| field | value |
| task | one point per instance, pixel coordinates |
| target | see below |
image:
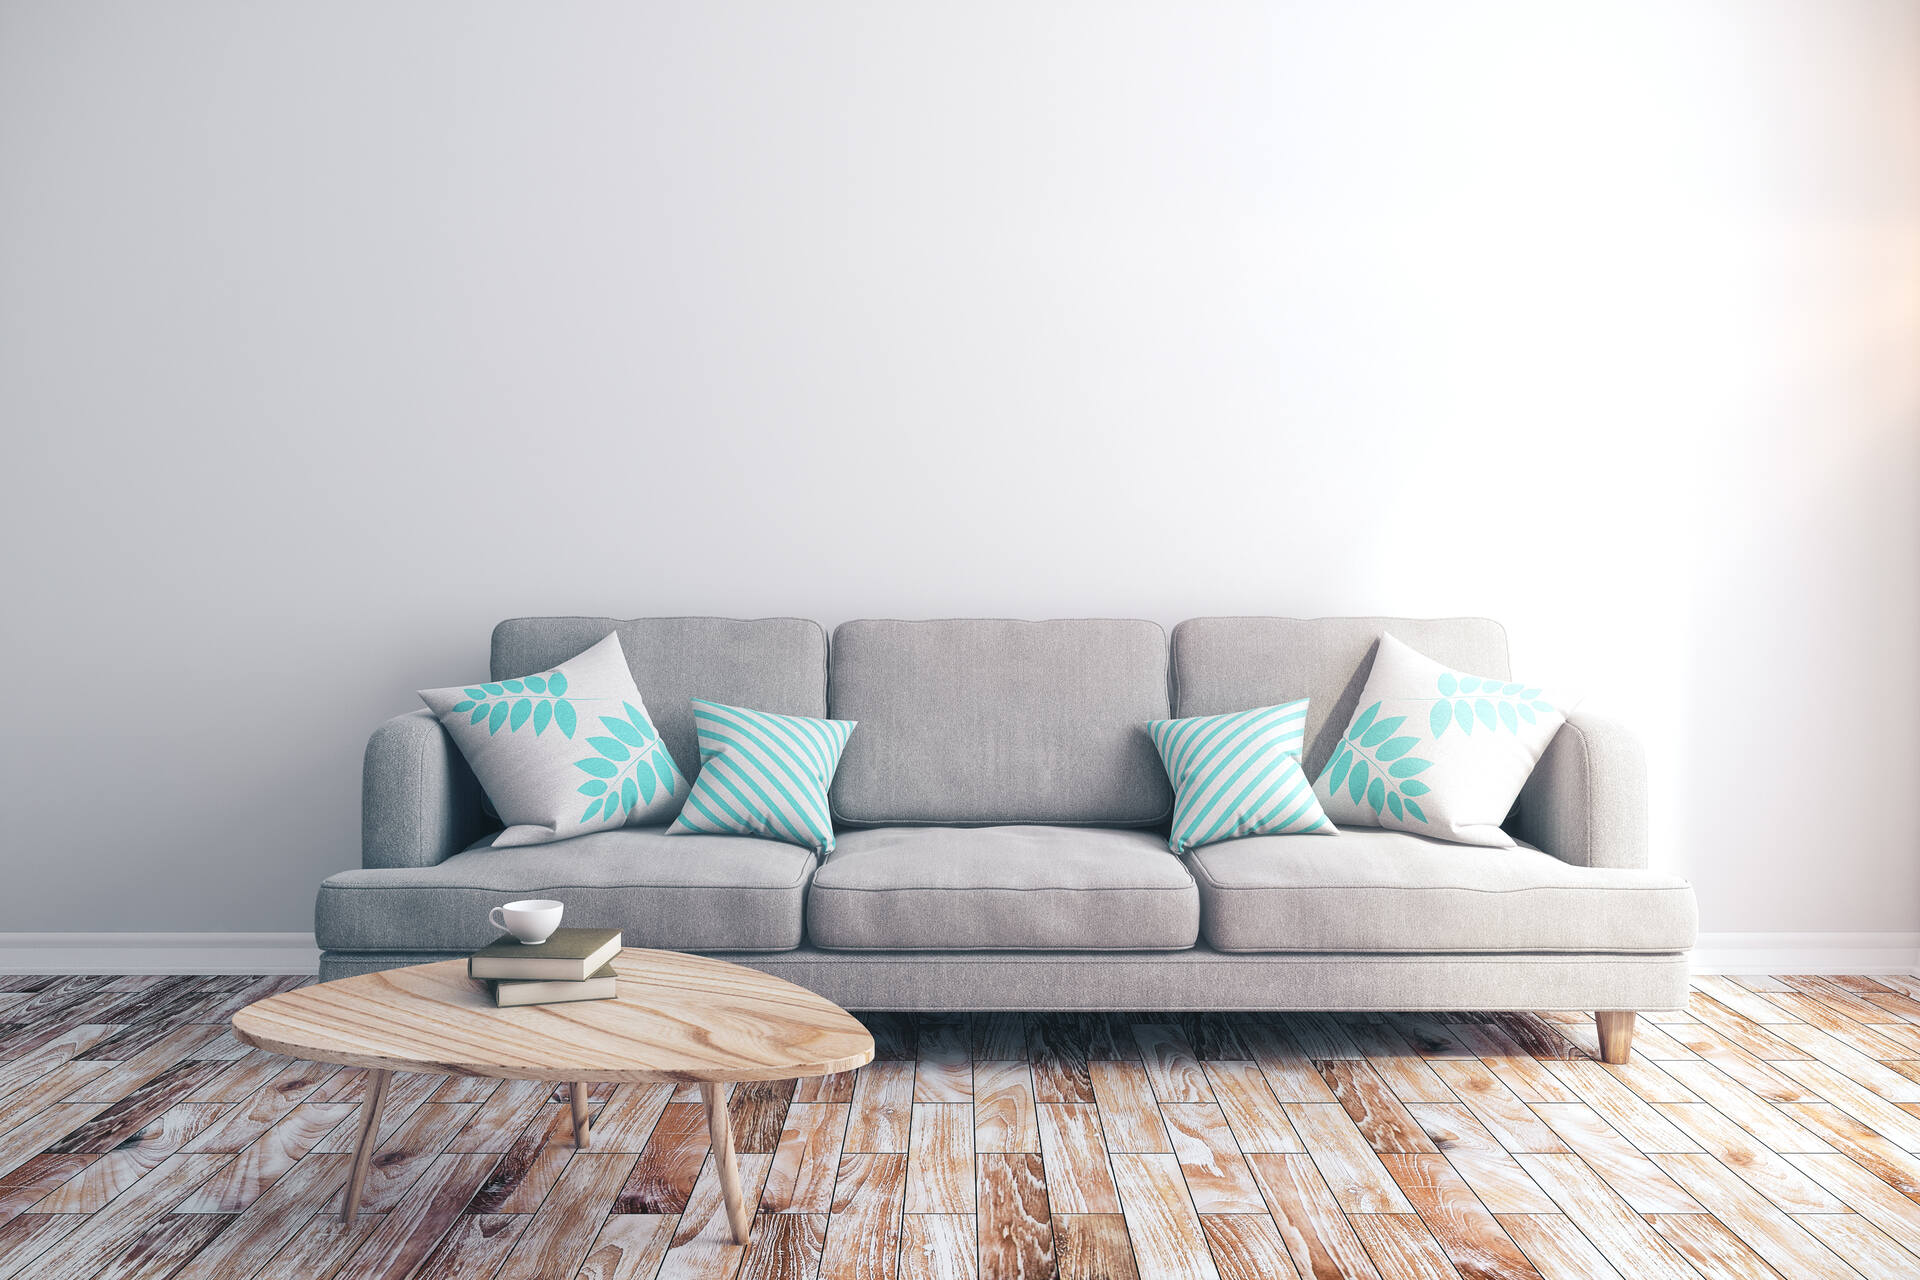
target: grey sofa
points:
(1001, 819)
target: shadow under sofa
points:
(1001, 818)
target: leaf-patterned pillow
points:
(1436, 751)
(566, 752)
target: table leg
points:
(370, 1105)
(720, 1130)
(581, 1136)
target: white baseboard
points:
(297, 953)
(1807, 953)
(158, 953)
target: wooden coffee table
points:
(679, 1018)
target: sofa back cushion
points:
(1231, 664)
(980, 721)
(769, 664)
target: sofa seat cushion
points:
(690, 893)
(1000, 889)
(1391, 891)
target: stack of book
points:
(573, 964)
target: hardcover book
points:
(570, 955)
(510, 994)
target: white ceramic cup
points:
(532, 920)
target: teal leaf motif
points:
(1448, 684)
(496, 718)
(542, 717)
(1542, 706)
(1393, 803)
(521, 711)
(495, 690)
(537, 683)
(1337, 771)
(629, 794)
(1526, 713)
(593, 787)
(1529, 694)
(1509, 718)
(514, 686)
(611, 748)
(1463, 715)
(1485, 709)
(1414, 787)
(479, 714)
(1469, 684)
(644, 775)
(1412, 766)
(1364, 723)
(557, 684)
(639, 720)
(1442, 717)
(1357, 781)
(1377, 794)
(1396, 747)
(476, 693)
(1510, 689)
(467, 705)
(563, 714)
(594, 766)
(1382, 730)
(623, 731)
(663, 766)
(1418, 814)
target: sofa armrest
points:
(419, 801)
(1586, 802)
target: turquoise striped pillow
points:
(763, 775)
(1238, 775)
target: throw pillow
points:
(1437, 751)
(1238, 775)
(763, 775)
(564, 753)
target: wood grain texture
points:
(940, 1159)
(1129, 1113)
(1003, 1107)
(138, 1139)
(1319, 1239)
(678, 1018)
(938, 1246)
(1078, 1171)
(1095, 1246)
(882, 1107)
(863, 1234)
(1165, 1231)
(801, 1177)
(663, 1176)
(1015, 1219)
(1465, 1231)
(1246, 1246)
(1218, 1180)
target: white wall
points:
(332, 333)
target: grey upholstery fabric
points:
(1198, 978)
(1586, 802)
(998, 888)
(769, 664)
(419, 800)
(685, 892)
(1231, 664)
(1385, 891)
(981, 721)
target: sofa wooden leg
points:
(1616, 1035)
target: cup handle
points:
(498, 920)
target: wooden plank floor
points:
(1770, 1129)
